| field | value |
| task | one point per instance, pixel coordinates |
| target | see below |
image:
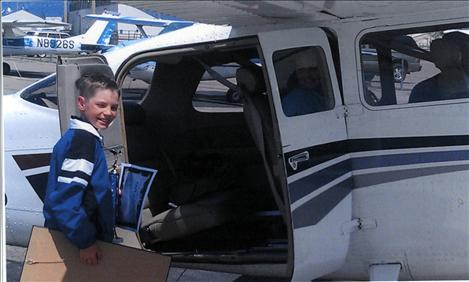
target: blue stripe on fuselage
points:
(314, 181)
(17, 42)
(316, 208)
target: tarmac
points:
(27, 70)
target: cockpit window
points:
(42, 93)
(134, 87)
(415, 66)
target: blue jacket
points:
(79, 198)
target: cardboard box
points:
(51, 257)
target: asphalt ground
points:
(26, 70)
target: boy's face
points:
(101, 109)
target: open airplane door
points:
(314, 139)
(69, 69)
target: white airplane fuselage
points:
(32, 45)
(409, 201)
(92, 40)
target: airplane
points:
(373, 185)
(97, 38)
(94, 39)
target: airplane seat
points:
(450, 83)
(139, 137)
(196, 212)
(212, 209)
(208, 212)
(257, 113)
(256, 108)
(144, 151)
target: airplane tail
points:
(100, 32)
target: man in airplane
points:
(452, 82)
(306, 95)
(79, 199)
(461, 40)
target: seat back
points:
(140, 147)
(251, 85)
(258, 117)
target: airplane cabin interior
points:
(217, 188)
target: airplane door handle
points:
(301, 157)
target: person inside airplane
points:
(451, 82)
(462, 41)
(304, 94)
(79, 198)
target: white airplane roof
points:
(191, 34)
(246, 13)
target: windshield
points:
(43, 92)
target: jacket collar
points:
(77, 123)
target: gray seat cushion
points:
(208, 212)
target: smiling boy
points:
(79, 200)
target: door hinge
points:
(341, 111)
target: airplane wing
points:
(168, 25)
(136, 21)
(12, 28)
(44, 23)
(255, 13)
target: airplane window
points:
(303, 81)
(43, 92)
(217, 92)
(137, 82)
(134, 88)
(406, 67)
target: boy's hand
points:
(90, 255)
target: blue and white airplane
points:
(14, 43)
(372, 186)
(97, 38)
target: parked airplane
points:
(369, 181)
(94, 39)
(97, 38)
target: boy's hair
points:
(88, 84)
